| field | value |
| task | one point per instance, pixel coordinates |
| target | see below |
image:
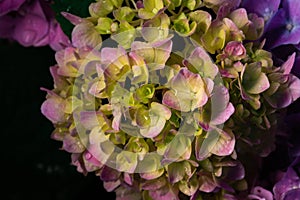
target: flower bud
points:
(235, 50)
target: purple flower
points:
(259, 193)
(7, 6)
(31, 29)
(57, 38)
(289, 186)
(32, 25)
(53, 108)
(284, 27)
(7, 24)
(263, 8)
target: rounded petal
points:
(53, 109)
(31, 30)
(85, 35)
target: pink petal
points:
(288, 65)
(75, 20)
(57, 38)
(30, 30)
(170, 100)
(53, 109)
(225, 144)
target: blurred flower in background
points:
(282, 37)
(31, 23)
(282, 30)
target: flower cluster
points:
(31, 23)
(282, 38)
(282, 30)
(177, 108)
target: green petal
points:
(125, 35)
(142, 118)
(152, 175)
(187, 92)
(145, 14)
(189, 187)
(190, 4)
(104, 25)
(101, 8)
(126, 161)
(200, 62)
(204, 145)
(160, 110)
(203, 20)
(153, 5)
(177, 171)
(253, 80)
(124, 13)
(156, 29)
(144, 93)
(176, 3)
(177, 148)
(85, 35)
(239, 17)
(117, 3)
(214, 38)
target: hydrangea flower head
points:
(158, 120)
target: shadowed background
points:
(34, 167)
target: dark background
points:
(33, 166)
